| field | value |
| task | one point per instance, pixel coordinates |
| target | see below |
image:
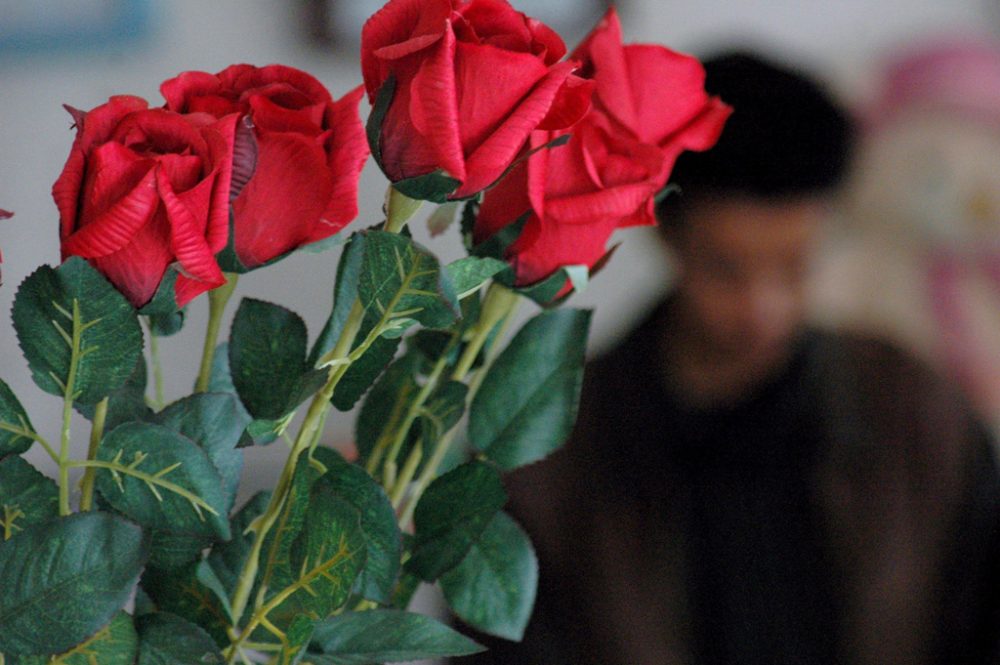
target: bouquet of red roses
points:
(475, 107)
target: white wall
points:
(840, 37)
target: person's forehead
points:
(751, 225)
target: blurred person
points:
(921, 261)
(741, 487)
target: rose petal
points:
(220, 139)
(187, 233)
(491, 83)
(400, 28)
(495, 154)
(113, 227)
(571, 104)
(288, 193)
(244, 157)
(268, 115)
(662, 109)
(549, 245)
(187, 289)
(434, 107)
(253, 79)
(503, 204)
(138, 268)
(603, 58)
(347, 152)
(186, 88)
(612, 203)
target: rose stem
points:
(217, 299)
(96, 432)
(154, 359)
(499, 306)
(399, 208)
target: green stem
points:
(154, 358)
(217, 300)
(68, 397)
(96, 432)
(406, 476)
(34, 436)
(399, 208)
(498, 308)
(411, 414)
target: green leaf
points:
(166, 639)
(13, 417)
(49, 304)
(215, 421)
(27, 496)
(470, 273)
(384, 409)
(401, 281)
(168, 551)
(181, 591)
(546, 292)
(452, 515)
(163, 480)
(493, 589)
(344, 293)
(363, 372)
(267, 358)
(65, 579)
(166, 325)
(378, 523)
(325, 560)
(297, 639)
(435, 186)
(443, 409)
(276, 563)
(496, 245)
(386, 636)
(226, 559)
(527, 403)
(125, 404)
(114, 644)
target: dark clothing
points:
(848, 512)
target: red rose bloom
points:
(144, 189)
(299, 154)
(473, 79)
(649, 106)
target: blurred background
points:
(881, 268)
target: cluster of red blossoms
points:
(261, 161)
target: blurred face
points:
(742, 281)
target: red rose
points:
(473, 79)
(299, 154)
(649, 106)
(144, 189)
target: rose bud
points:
(146, 189)
(299, 154)
(650, 105)
(471, 80)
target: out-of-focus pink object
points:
(924, 266)
(958, 75)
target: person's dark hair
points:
(786, 137)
